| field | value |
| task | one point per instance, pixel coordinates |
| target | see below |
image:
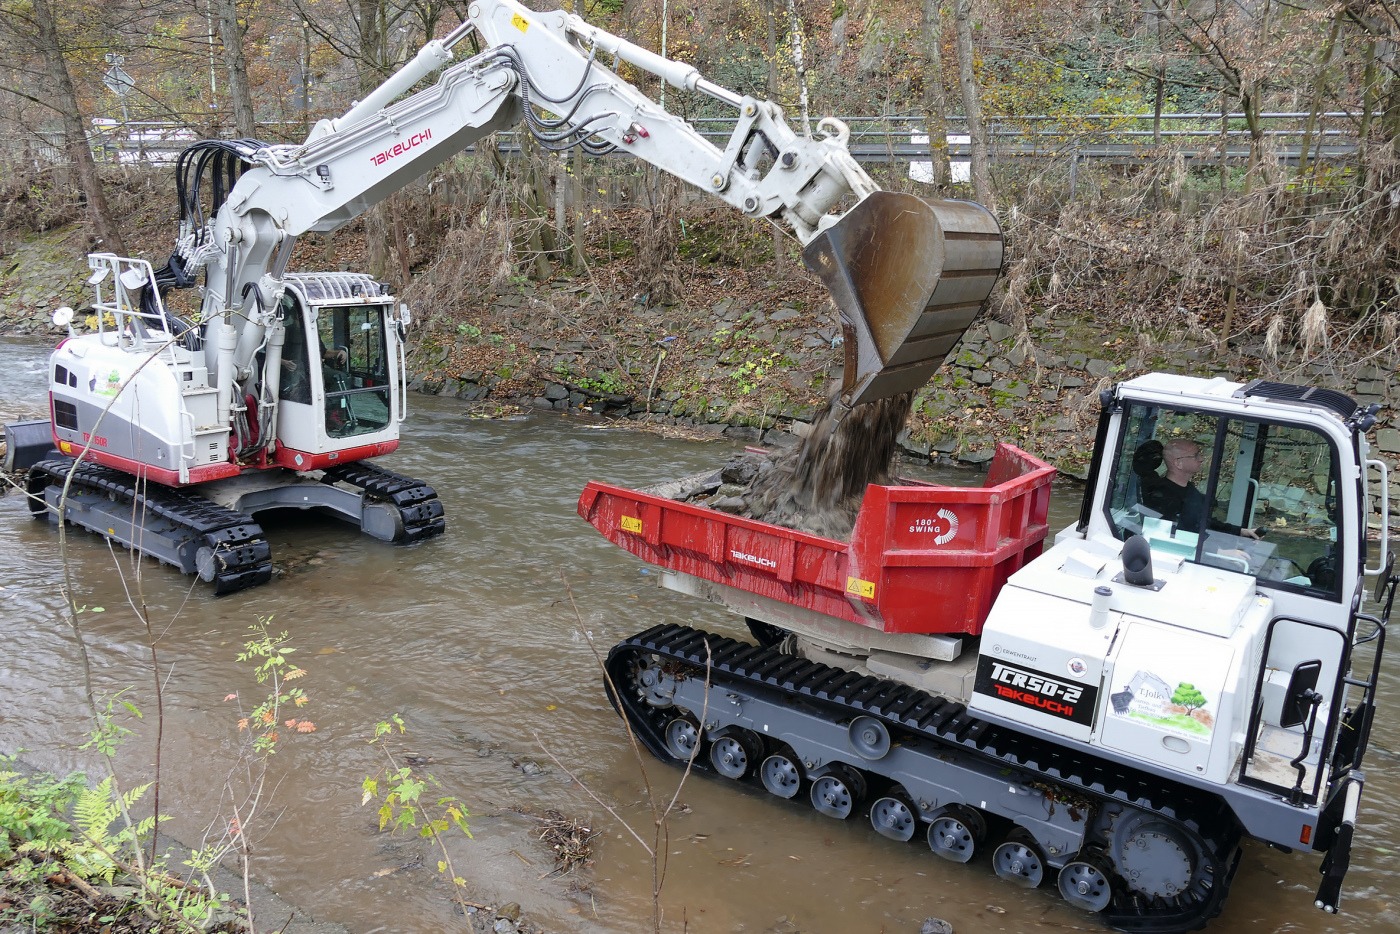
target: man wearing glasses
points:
(1175, 495)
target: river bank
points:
(750, 356)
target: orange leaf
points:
(229, 697)
(291, 723)
(306, 726)
(243, 724)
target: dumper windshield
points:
(1254, 497)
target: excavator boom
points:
(907, 275)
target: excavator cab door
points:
(354, 369)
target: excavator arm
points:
(907, 275)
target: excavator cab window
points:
(354, 369)
(1233, 493)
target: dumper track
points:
(417, 502)
(763, 683)
(226, 548)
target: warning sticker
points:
(860, 588)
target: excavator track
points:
(224, 547)
(1152, 856)
(417, 502)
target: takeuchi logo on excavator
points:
(398, 149)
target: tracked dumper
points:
(1110, 713)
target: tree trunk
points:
(935, 95)
(577, 257)
(799, 62)
(1319, 90)
(372, 45)
(972, 105)
(240, 95)
(770, 21)
(75, 141)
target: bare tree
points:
(240, 95)
(935, 97)
(972, 104)
(64, 101)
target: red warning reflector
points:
(1306, 836)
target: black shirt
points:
(1184, 505)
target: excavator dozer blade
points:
(908, 277)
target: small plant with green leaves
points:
(58, 835)
(269, 655)
(749, 375)
(400, 792)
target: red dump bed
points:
(922, 558)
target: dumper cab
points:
(1201, 614)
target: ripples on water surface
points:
(473, 639)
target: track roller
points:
(894, 817)
(955, 832)
(683, 738)
(1086, 883)
(839, 792)
(869, 738)
(736, 754)
(1018, 860)
(782, 774)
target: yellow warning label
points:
(65, 447)
(631, 524)
(519, 22)
(860, 588)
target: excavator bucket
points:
(908, 277)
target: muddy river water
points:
(475, 641)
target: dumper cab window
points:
(355, 369)
(1242, 495)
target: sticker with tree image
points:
(1184, 708)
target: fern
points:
(94, 811)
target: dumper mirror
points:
(1383, 580)
(63, 317)
(1301, 696)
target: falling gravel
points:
(817, 486)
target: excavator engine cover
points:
(908, 277)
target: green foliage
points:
(54, 825)
(399, 790)
(598, 383)
(108, 735)
(269, 655)
(749, 375)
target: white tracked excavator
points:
(172, 435)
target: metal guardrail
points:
(1114, 138)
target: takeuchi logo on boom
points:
(398, 149)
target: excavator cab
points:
(908, 277)
(340, 363)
